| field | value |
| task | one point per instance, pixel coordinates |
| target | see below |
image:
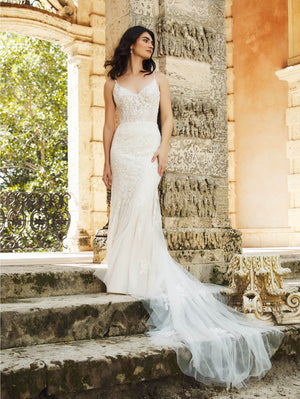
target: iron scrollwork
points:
(31, 3)
(31, 220)
(62, 8)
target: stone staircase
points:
(63, 337)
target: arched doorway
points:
(79, 29)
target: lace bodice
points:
(142, 106)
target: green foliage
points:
(33, 117)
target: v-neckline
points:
(130, 91)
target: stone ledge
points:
(46, 280)
(86, 366)
(82, 366)
(70, 318)
(45, 258)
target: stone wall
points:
(260, 173)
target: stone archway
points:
(80, 30)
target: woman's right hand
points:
(107, 176)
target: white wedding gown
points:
(214, 343)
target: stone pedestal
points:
(99, 245)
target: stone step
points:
(27, 281)
(45, 258)
(85, 369)
(70, 318)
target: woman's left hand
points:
(162, 155)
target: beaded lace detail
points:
(137, 107)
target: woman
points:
(214, 343)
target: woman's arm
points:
(108, 130)
(166, 117)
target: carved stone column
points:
(194, 191)
(191, 51)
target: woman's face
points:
(143, 46)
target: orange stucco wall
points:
(260, 38)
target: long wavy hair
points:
(119, 61)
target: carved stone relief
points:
(187, 196)
(256, 288)
(194, 118)
(185, 40)
(195, 239)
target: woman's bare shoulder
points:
(161, 79)
(109, 83)
(160, 76)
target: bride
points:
(214, 343)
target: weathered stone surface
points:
(194, 202)
(216, 11)
(198, 257)
(281, 381)
(45, 280)
(70, 318)
(203, 158)
(199, 239)
(193, 118)
(218, 92)
(187, 196)
(291, 342)
(293, 263)
(192, 10)
(85, 367)
(201, 263)
(99, 246)
(186, 40)
(181, 74)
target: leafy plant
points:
(33, 114)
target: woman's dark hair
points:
(119, 61)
